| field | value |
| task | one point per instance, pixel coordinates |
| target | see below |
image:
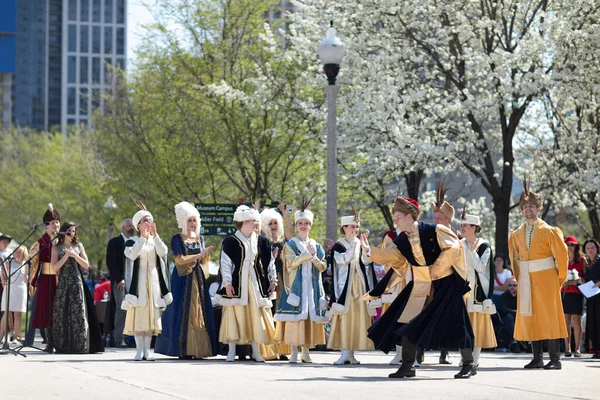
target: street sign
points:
(212, 219)
(217, 230)
(216, 208)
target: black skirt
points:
(573, 303)
(443, 323)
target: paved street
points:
(113, 375)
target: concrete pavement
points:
(113, 375)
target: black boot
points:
(444, 357)
(405, 371)
(420, 355)
(538, 356)
(50, 338)
(466, 371)
(554, 351)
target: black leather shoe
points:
(444, 358)
(466, 372)
(121, 345)
(534, 364)
(49, 349)
(404, 372)
(553, 364)
(474, 371)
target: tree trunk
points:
(413, 183)
(594, 221)
(501, 210)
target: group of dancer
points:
(436, 292)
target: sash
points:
(421, 289)
(524, 291)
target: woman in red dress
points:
(572, 298)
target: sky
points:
(137, 15)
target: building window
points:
(72, 69)
(108, 11)
(72, 10)
(83, 108)
(108, 40)
(120, 11)
(84, 42)
(96, 70)
(95, 100)
(73, 38)
(96, 40)
(108, 73)
(84, 14)
(83, 69)
(121, 63)
(97, 11)
(70, 121)
(71, 101)
(120, 41)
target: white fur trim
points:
(306, 214)
(183, 212)
(337, 308)
(168, 298)
(348, 220)
(471, 220)
(293, 300)
(130, 301)
(161, 304)
(245, 213)
(137, 217)
(375, 303)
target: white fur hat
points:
(349, 220)
(245, 213)
(471, 220)
(268, 215)
(306, 214)
(183, 212)
(137, 217)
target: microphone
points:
(40, 225)
(64, 233)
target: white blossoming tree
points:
(432, 85)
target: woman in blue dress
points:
(188, 325)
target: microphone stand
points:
(5, 347)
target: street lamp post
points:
(109, 207)
(331, 53)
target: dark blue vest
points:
(429, 244)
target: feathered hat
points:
(469, 219)
(440, 204)
(351, 219)
(529, 196)
(406, 205)
(51, 214)
(303, 213)
(137, 217)
(183, 212)
(245, 213)
(268, 215)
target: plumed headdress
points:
(440, 204)
(51, 214)
(137, 217)
(303, 212)
(406, 205)
(183, 212)
(528, 196)
(351, 219)
(268, 215)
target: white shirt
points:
(502, 277)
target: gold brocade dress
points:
(349, 331)
(245, 324)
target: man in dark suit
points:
(115, 261)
